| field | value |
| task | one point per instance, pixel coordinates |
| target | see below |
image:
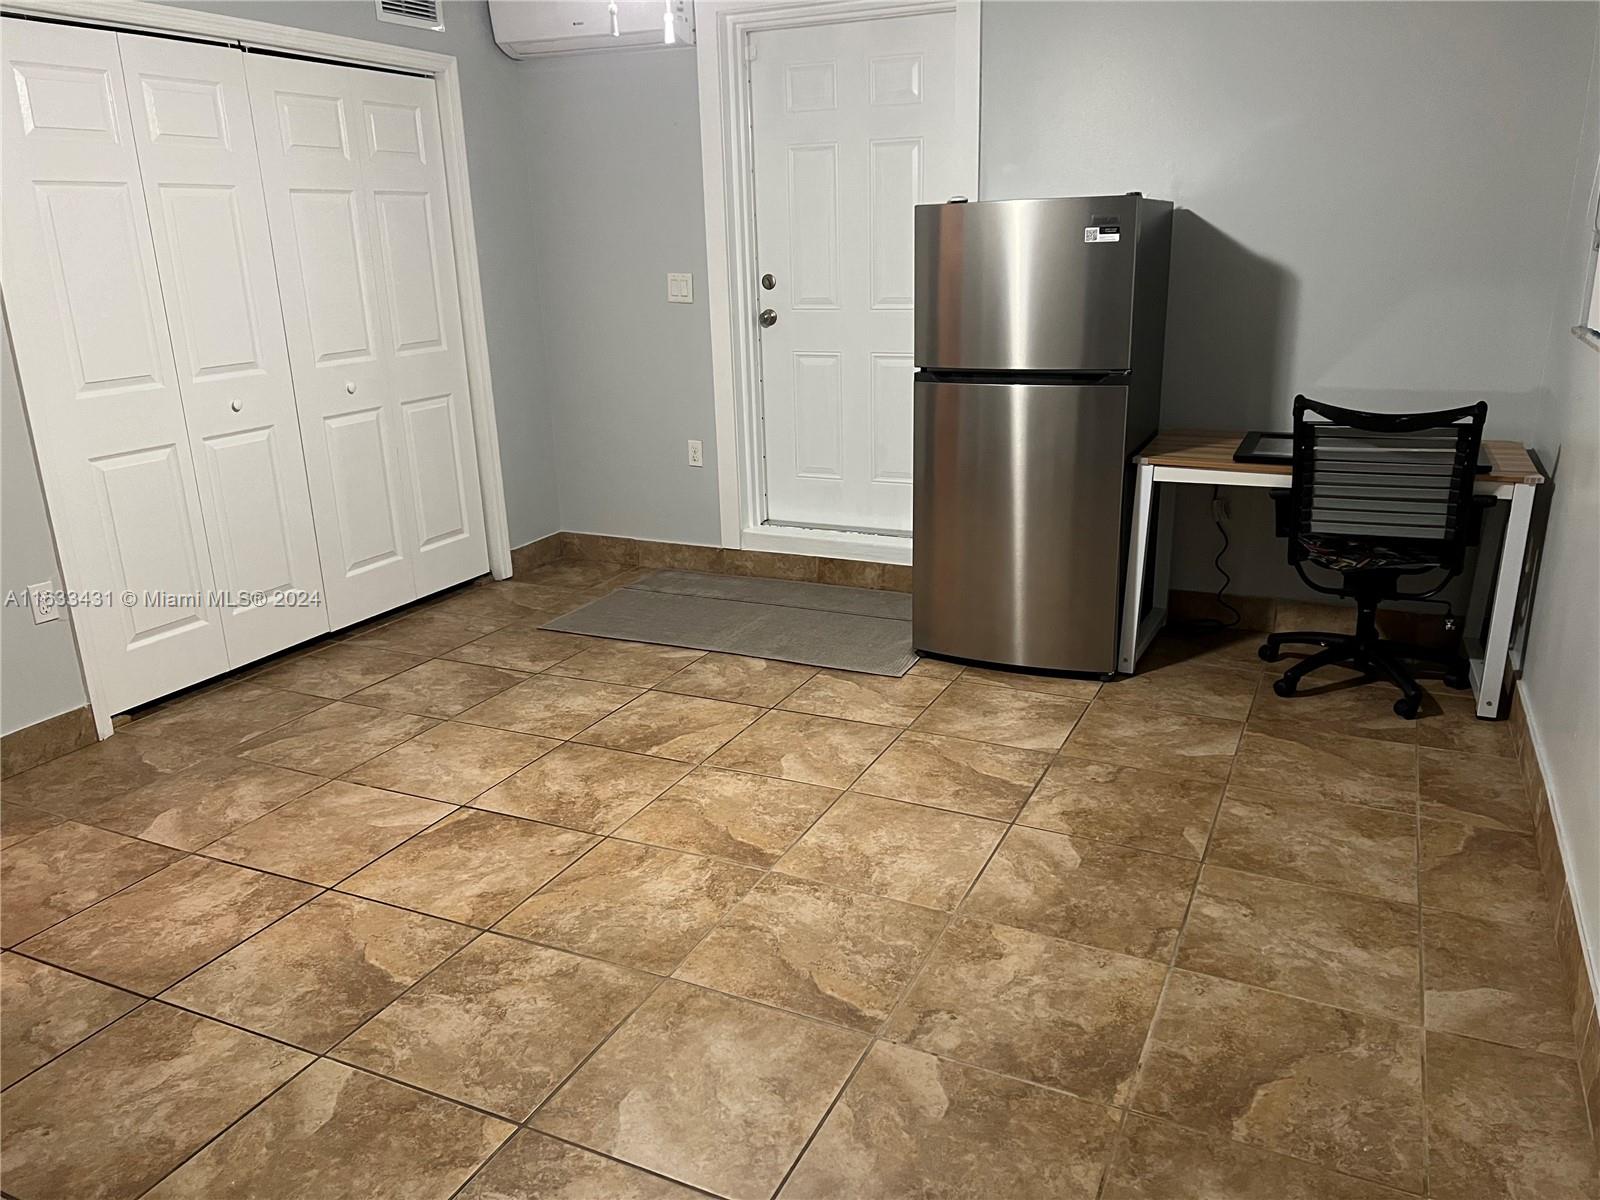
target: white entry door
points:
(356, 199)
(103, 394)
(854, 124)
(202, 188)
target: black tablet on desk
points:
(1258, 446)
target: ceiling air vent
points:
(423, 14)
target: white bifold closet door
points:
(202, 188)
(83, 300)
(353, 166)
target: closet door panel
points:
(84, 304)
(306, 117)
(197, 155)
(402, 157)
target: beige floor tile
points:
(1494, 982)
(334, 739)
(326, 834)
(77, 785)
(1475, 788)
(314, 976)
(152, 934)
(192, 807)
(218, 718)
(1347, 846)
(936, 668)
(1187, 687)
(714, 1091)
(759, 681)
(909, 1124)
(638, 664)
(335, 671)
(875, 699)
(1157, 1161)
(1156, 740)
(534, 1167)
(1131, 806)
(64, 870)
(841, 956)
(44, 1012)
(1230, 648)
(1026, 720)
(422, 632)
(685, 728)
(1065, 687)
(472, 867)
(1355, 952)
(453, 762)
(17, 822)
(67, 1130)
(584, 787)
(576, 573)
(806, 749)
(971, 777)
(499, 1025)
(641, 906)
(438, 688)
(747, 818)
(1316, 765)
(334, 1131)
(484, 606)
(1482, 872)
(521, 647)
(1505, 1123)
(906, 852)
(1455, 726)
(1085, 891)
(1337, 1088)
(551, 706)
(1333, 700)
(1067, 1016)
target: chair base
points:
(1373, 656)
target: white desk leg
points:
(1144, 489)
(1489, 678)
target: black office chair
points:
(1377, 498)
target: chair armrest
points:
(1282, 513)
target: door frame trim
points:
(727, 158)
(140, 16)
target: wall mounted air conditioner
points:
(535, 28)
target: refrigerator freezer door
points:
(1017, 531)
(1026, 285)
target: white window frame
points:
(727, 153)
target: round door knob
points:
(237, 406)
(350, 387)
(769, 281)
(769, 318)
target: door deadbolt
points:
(769, 281)
(769, 318)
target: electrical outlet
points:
(697, 456)
(42, 599)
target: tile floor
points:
(449, 906)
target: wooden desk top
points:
(1212, 450)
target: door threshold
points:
(831, 543)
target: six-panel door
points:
(84, 302)
(202, 187)
(360, 224)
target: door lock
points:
(768, 318)
(769, 281)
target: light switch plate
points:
(680, 288)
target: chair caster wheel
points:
(1267, 654)
(1457, 681)
(1407, 707)
(1283, 687)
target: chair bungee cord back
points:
(1378, 498)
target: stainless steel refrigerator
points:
(1039, 334)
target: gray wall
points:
(1561, 678)
(39, 675)
(614, 140)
